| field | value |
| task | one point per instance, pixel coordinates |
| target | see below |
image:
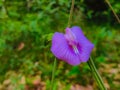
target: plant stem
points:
(107, 1)
(71, 13)
(53, 74)
(55, 62)
(96, 74)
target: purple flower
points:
(72, 47)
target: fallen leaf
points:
(21, 46)
(80, 87)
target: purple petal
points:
(85, 46)
(62, 50)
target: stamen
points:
(75, 49)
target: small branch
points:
(118, 19)
(71, 13)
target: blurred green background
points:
(26, 28)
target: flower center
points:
(75, 49)
(71, 39)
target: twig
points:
(118, 19)
(71, 13)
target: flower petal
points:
(62, 50)
(85, 46)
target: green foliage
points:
(26, 30)
(100, 11)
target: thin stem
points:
(96, 74)
(71, 13)
(118, 19)
(53, 74)
(55, 62)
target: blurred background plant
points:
(26, 28)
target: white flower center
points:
(75, 49)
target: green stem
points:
(118, 19)
(55, 62)
(53, 74)
(96, 74)
(71, 13)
